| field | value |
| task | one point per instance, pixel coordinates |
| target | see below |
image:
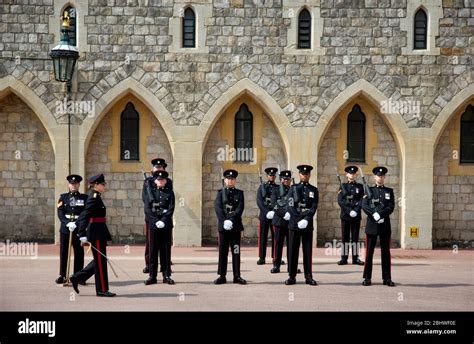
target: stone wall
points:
(123, 197)
(131, 38)
(329, 224)
(27, 204)
(249, 183)
(453, 197)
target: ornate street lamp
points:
(64, 57)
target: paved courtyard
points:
(440, 280)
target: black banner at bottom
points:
(367, 327)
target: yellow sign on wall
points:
(414, 232)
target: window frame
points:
(350, 140)
(137, 134)
(183, 28)
(243, 107)
(304, 11)
(424, 20)
(468, 112)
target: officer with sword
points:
(93, 231)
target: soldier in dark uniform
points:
(229, 206)
(70, 205)
(378, 203)
(159, 215)
(264, 194)
(157, 165)
(94, 231)
(349, 199)
(302, 205)
(281, 218)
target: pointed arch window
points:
(189, 28)
(243, 137)
(129, 133)
(304, 29)
(356, 135)
(467, 136)
(421, 30)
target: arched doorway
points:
(27, 202)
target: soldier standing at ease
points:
(281, 218)
(229, 207)
(378, 204)
(349, 199)
(70, 206)
(264, 195)
(302, 206)
(159, 214)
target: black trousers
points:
(229, 239)
(350, 229)
(147, 244)
(305, 238)
(371, 241)
(159, 244)
(263, 228)
(63, 252)
(281, 233)
(97, 267)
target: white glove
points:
(287, 216)
(353, 213)
(160, 224)
(228, 225)
(83, 239)
(270, 214)
(303, 224)
(72, 226)
(376, 216)
(381, 221)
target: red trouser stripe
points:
(101, 272)
(258, 236)
(274, 243)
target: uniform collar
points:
(379, 186)
(304, 183)
(73, 193)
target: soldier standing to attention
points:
(159, 214)
(378, 204)
(281, 218)
(229, 207)
(349, 199)
(302, 207)
(264, 195)
(157, 165)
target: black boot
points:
(60, 280)
(261, 261)
(275, 270)
(239, 280)
(168, 280)
(342, 262)
(366, 282)
(220, 280)
(311, 281)
(106, 294)
(75, 282)
(151, 280)
(146, 270)
(290, 281)
(389, 283)
(357, 261)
